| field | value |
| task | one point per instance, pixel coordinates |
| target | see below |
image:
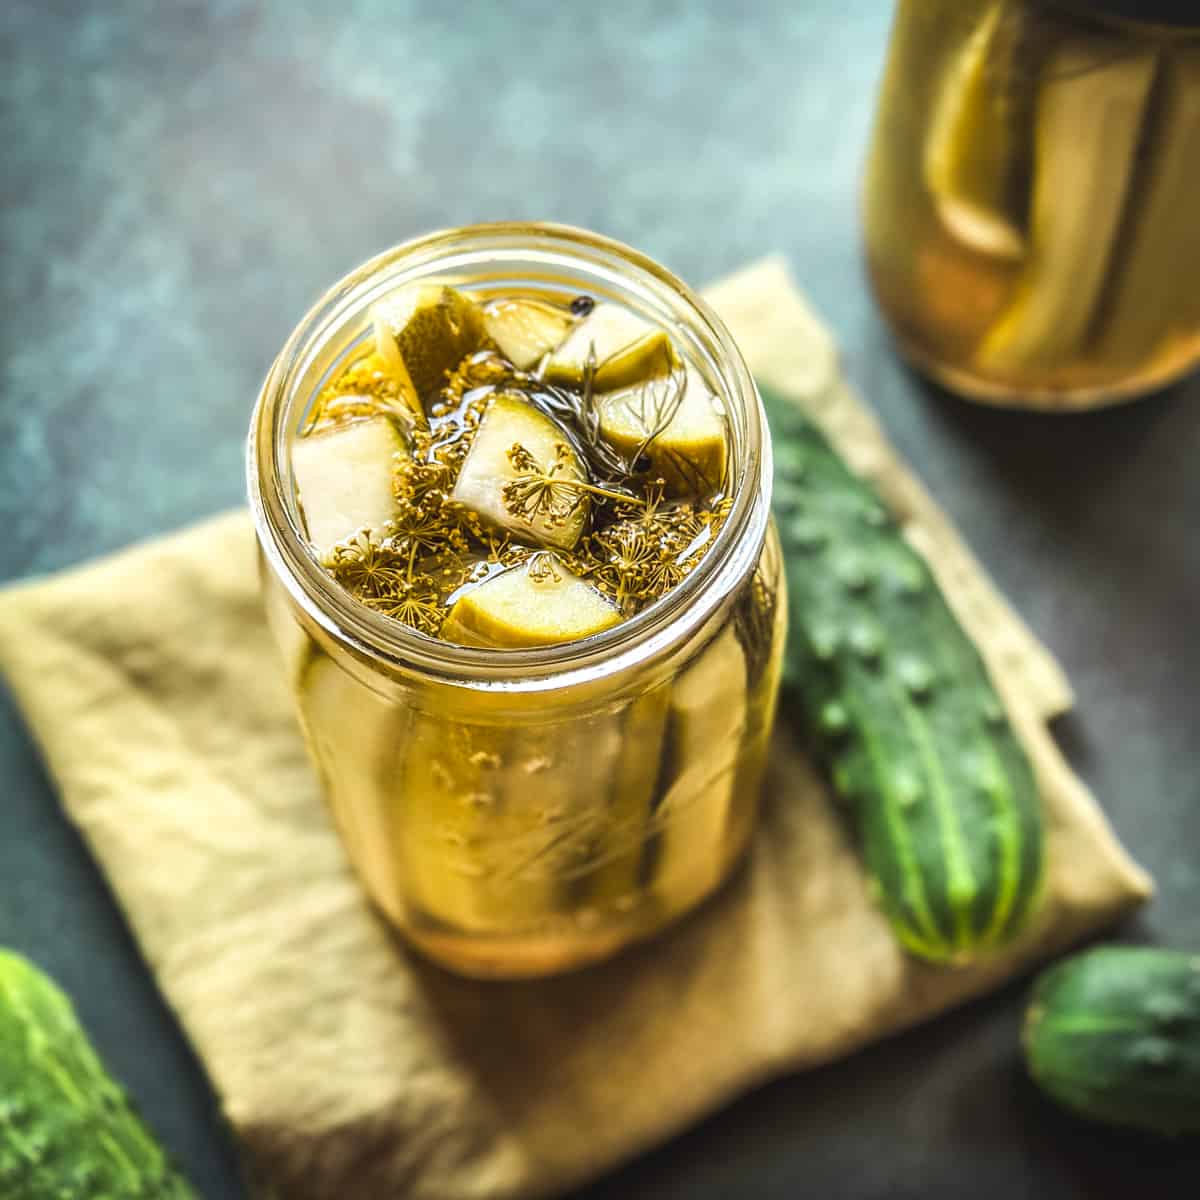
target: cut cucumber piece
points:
(706, 727)
(422, 332)
(627, 349)
(538, 603)
(525, 330)
(690, 453)
(509, 422)
(650, 357)
(344, 479)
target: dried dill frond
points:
(365, 565)
(416, 601)
(365, 388)
(422, 470)
(622, 560)
(654, 405)
(551, 495)
(425, 525)
(639, 558)
(503, 551)
(543, 569)
(486, 369)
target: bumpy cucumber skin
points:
(66, 1129)
(1113, 1034)
(900, 710)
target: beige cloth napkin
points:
(350, 1068)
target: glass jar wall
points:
(520, 812)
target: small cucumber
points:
(66, 1129)
(1114, 1035)
(900, 710)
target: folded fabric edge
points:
(12, 594)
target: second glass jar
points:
(1030, 198)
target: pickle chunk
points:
(423, 331)
(690, 452)
(519, 445)
(525, 330)
(538, 603)
(344, 479)
(626, 348)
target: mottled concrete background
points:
(181, 179)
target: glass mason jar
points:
(1030, 202)
(521, 812)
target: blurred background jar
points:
(1032, 202)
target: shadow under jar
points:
(519, 812)
(1032, 196)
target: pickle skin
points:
(1155, 268)
(422, 332)
(897, 704)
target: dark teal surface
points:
(181, 179)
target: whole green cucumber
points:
(899, 708)
(1114, 1035)
(66, 1129)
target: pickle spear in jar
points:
(977, 157)
(1089, 121)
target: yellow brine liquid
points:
(502, 471)
(1031, 200)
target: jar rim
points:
(387, 644)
